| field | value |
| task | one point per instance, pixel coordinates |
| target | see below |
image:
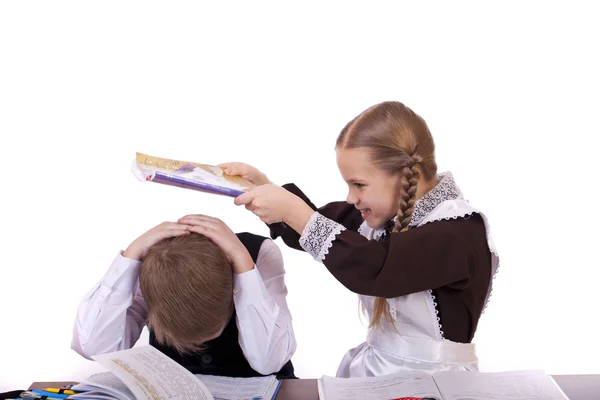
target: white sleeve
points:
(264, 321)
(112, 315)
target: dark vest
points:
(223, 356)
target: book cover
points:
(188, 175)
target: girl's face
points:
(371, 190)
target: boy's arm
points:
(266, 335)
(112, 315)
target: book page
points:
(223, 387)
(516, 385)
(112, 387)
(404, 384)
(149, 374)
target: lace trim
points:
(495, 268)
(364, 229)
(491, 289)
(465, 216)
(437, 314)
(378, 234)
(446, 189)
(318, 236)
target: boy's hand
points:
(222, 236)
(139, 247)
(246, 171)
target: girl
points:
(420, 257)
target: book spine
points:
(191, 184)
(276, 390)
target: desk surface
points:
(576, 387)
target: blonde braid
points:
(408, 191)
(399, 142)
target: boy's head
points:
(187, 283)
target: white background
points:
(510, 92)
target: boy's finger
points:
(178, 232)
(200, 229)
(198, 219)
(172, 233)
(172, 225)
(191, 216)
(212, 234)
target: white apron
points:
(420, 344)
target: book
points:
(146, 373)
(188, 175)
(444, 385)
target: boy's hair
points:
(399, 143)
(187, 283)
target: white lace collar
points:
(446, 189)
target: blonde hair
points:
(187, 283)
(400, 143)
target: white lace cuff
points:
(318, 235)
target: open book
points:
(146, 373)
(188, 175)
(446, 385)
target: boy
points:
(177, 279)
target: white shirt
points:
(112, 315)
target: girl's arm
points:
(341, 212)
(442, 253)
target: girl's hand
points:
(273, 204)
(246, 171)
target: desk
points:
(576, 387)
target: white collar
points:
(446, 189)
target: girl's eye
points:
(359, 185)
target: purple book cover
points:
(180, 181)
